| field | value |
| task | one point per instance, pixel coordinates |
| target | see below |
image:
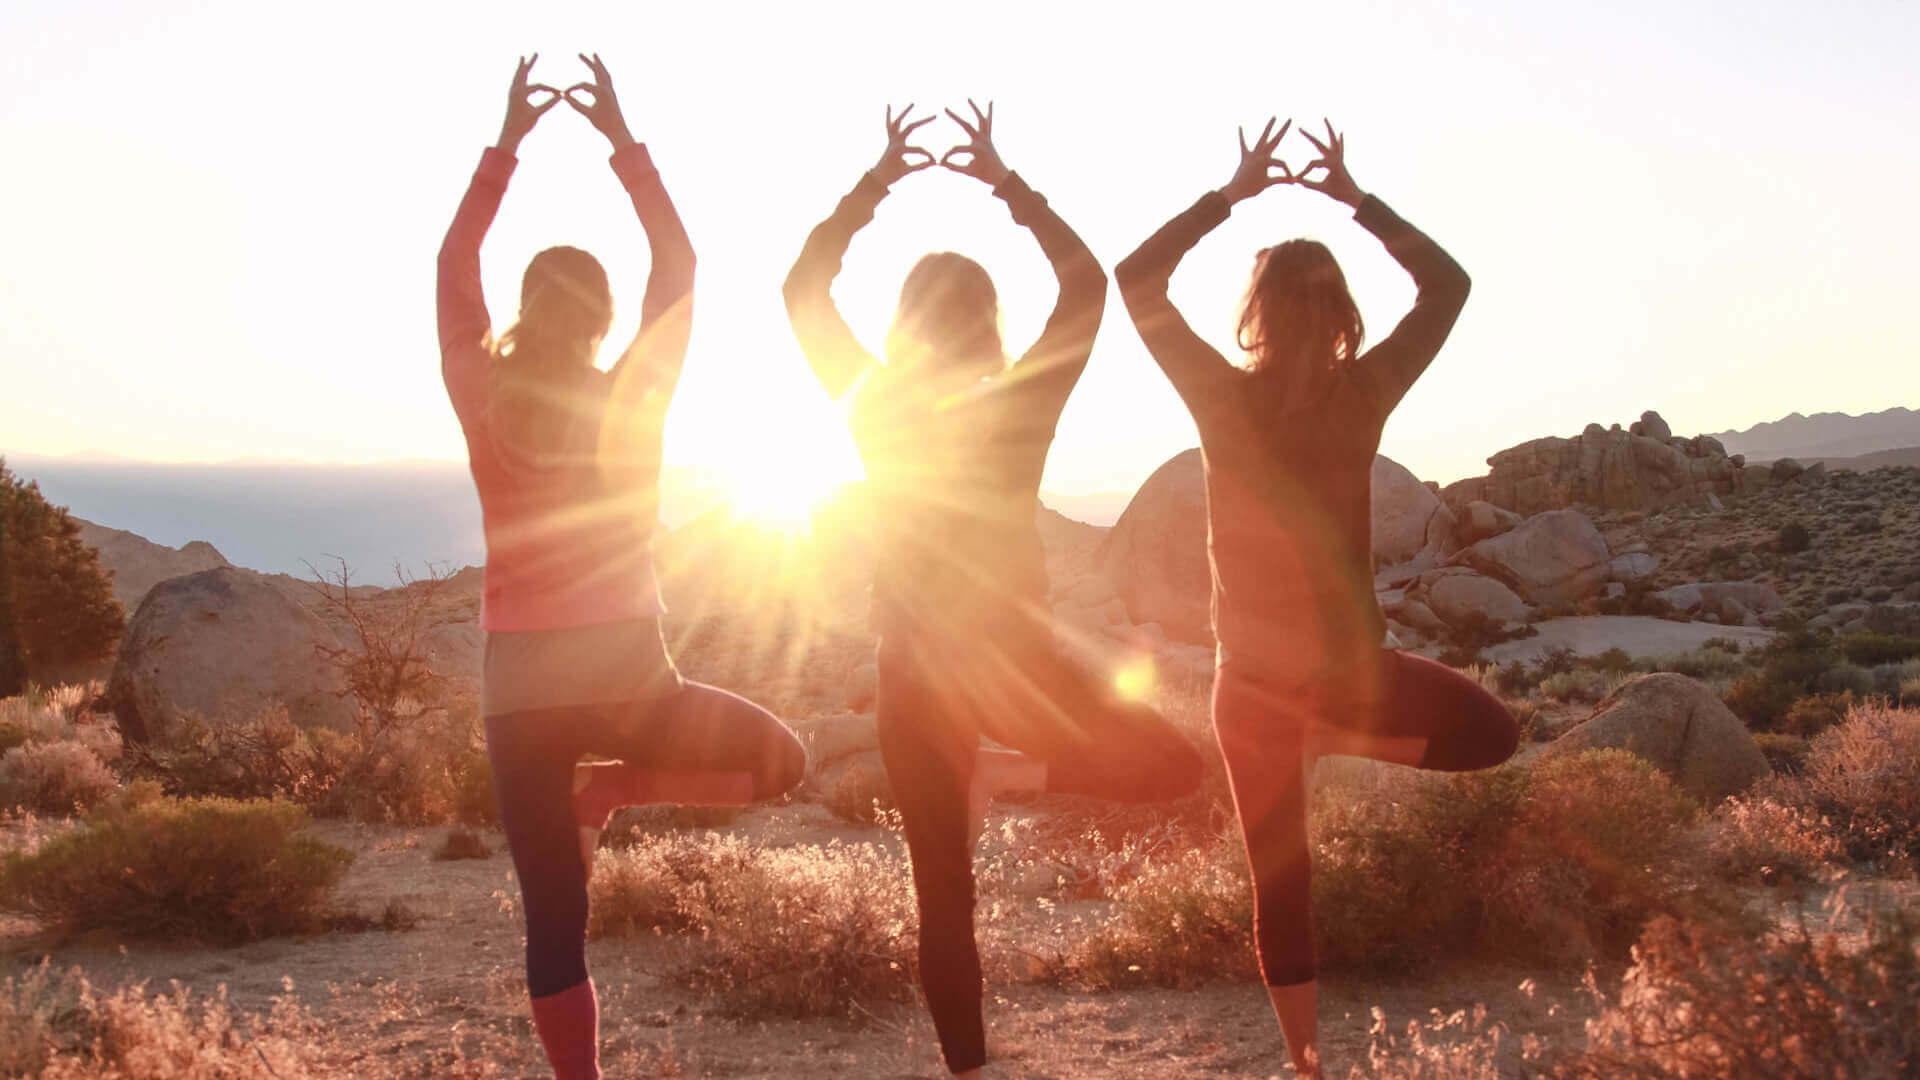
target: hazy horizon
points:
(231, 255)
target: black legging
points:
(935, 702)
(1262, 727)
(697, 728)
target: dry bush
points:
(799, 931)
(462, 844)
(861, 794)
(1562, 862)
(53, 755)
(1864, 775)
(1762, 840)
(1699, 1004)
(149, 866)
(59, 1027)
(54, 778)
(1463, 1045)
(1184, 920)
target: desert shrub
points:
(804, 931)
(1845, 678)
(1514, 678)
(1581, 684)
(1557, 660)
(1526, 713)
(1186, 920)
(462, 844)
(1707, 662)
(1809, 716)
(1791, 665)
(1784, 751)
(1614, 661)
(1701, 1004)
(262, 756)
(1592, 852)
(859, 794)
(474, 800)
(1868, 649)
(1476, 630)
(1792, 539)
(1864, 775)
(1760, 840)
(151, 866)
(54, 777)
(800, 931)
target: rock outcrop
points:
(223, 643)
(1737, 603)
(1682, 728)
(1644, 467)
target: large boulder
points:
(1481, 519)
(1555, 557)
(1403, 507)
(1680, 726)
(1156, 555)
(223, 643)
(1740, 603)
(1461, 599)
(1632, 567)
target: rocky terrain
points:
(1614, 523)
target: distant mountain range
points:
(278, 517)
(1826, 435)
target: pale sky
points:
(218, 219)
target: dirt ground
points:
(453, 983)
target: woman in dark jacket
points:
(1288, 440)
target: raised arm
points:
(1047, 372)
(462, 308)
(645, 376)
(1397, 360)
(1195, 368)
(836, 356)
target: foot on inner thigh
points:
(1324, 739)
(995, 772)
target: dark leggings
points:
(1262, 727)
(934, 705)
(697, 728)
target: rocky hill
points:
(138, 564)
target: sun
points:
(781, 488)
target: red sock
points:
(610, 786)
(569, 1027)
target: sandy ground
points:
(455, 979)
(1638, 635)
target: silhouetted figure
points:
(1289, 441)
(567, 462)
(954, 441)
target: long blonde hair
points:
(948, 318)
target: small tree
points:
(56, 601)
(410, 748)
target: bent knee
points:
(782, 768)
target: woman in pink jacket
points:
(567, 461)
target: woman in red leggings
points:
(567, 462)
(954, 439)
(1288, 439)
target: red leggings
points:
(1262, 726)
